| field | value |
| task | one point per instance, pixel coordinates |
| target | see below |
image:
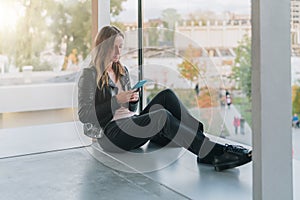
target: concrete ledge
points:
(42, 138)
(19, 98)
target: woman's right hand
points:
(124, 97)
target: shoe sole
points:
(202, 162)
(221, 167)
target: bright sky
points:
(153, 8)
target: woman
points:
(107, 106)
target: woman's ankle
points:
(209, 150)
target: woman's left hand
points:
(134, 97)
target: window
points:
(42, 45)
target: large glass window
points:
(42, 43)
(127, 20)
(202, 51)
(44, 35)
(295, 62)
(198, 49)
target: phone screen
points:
(139, 84)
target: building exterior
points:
(295, 12)
(295, 27)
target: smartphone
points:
(139, 84)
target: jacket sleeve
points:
(133, 106)
(86, 96)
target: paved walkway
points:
(228, 115)
(296, 143)
(221, 120)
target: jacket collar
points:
(123, 80)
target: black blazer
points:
(96, 106)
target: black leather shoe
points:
(204, 161)
(233, 156)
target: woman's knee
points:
(168, 93)
(162, 113)
(160, 118)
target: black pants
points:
(163, 120)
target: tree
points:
(116, 7)
(296, 99)
(241, 71)
(202, 16)
(30, 35)
(190, 68)
(72, 27)
(61, 25)
(170, 17)
(153, 33)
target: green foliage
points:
(169, 18)
(153, 33)
(30, 36)
(189, 100)
(244, 106)
(61, 25)
(242, 67)
(72, 27)
(116, 7)
(296, 99)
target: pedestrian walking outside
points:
(228, 99)
(236, 124)
(197, 90)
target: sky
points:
(153, 8)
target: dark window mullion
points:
(140, 49)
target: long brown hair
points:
(104, 43)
